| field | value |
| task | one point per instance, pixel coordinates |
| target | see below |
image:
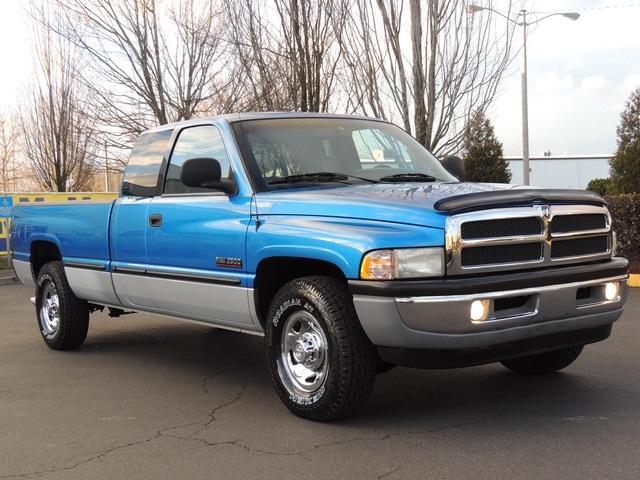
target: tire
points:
(543, 363)
(63, 318)
(322, 364)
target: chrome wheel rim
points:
(303, 360)
(50, 309)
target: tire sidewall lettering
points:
(284, 306)
(300, 400)
(289, 303)
(321, 363)
(48, 336)
(45, 277)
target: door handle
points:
(155, 220)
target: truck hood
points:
(410, 203)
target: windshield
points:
(302, 152)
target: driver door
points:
(196, 240)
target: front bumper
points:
(423, 323)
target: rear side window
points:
(141, 174)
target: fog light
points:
(611, 291)
(479, 310)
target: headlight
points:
(402, 263)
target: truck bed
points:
(84, 228)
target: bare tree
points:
(289, 51)
(426, 65)
(9, 135)
(263, 80)
(156, 61)
(314, 28)
(58, 135)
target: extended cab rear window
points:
(141, 175)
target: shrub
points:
(483, 159)
(601, 186)
(625, 214)
(625, 163)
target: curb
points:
(8, 280)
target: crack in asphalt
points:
(91, 459)
(160, 433)
(207, 424)
(397, 469)
(303, 453)
(307, 451)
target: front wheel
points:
(62, 317)
(322, 364)
(542, 363)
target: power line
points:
(603, 7)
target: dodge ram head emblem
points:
(546, 211)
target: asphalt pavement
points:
(153, 398)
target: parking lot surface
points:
(152, 398)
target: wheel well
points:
(43, 253)
(273, 273)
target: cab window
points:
(195, 142)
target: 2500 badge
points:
(228, 262)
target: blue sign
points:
(6, 207)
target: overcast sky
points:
(580, 73)
(14, 53)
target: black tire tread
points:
(357, 354)
(74, 313)
(544, 363)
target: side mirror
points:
(454, 165)
(206, 173)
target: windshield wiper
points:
(319, 177)
(409, 177)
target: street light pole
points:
(525, 96)
(525, 104)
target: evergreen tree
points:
(483, 161)
(625, 164)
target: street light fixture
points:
(525, 107)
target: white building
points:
(560, 171)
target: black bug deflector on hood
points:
(501, 198)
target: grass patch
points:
(4, 262)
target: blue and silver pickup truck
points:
(342, 241)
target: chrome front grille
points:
(501, 254)
(502, 227)
(527, 237)
(578, 223)
(572, 247)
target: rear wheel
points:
(548, 362)
(322, 364)
(62, 317)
